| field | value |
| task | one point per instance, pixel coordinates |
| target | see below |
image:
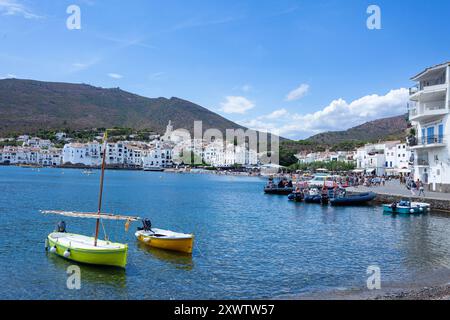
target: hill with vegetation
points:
(27, 106)
(392, 128)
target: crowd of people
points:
(416, 187)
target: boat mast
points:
(102, 176)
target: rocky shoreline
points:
(427, 293)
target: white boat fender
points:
(412, 210)
(53, 249)
(66, 253)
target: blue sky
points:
(292, 67)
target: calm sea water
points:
(248, 245)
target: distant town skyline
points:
(293, 67)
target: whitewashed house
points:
(159, 155)
(87, 154)
(429, 114)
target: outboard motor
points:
(146, 225)
(61, 227)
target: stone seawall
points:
(436, 204)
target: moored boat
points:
(353, 200)
(86, 249)
(165, 239)
(406, 207)
(81, 248)
(296, 196)
(153, 168)
(425, 206)
(279, 191)
(313, 196)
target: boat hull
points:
(402, 210)
(279, 191)
(355, 200)
(116, 257)
(313, 199)
(296, 197)
(184, 245)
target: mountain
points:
(381, 129)
(28, 105)
(393, 128)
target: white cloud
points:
(338, 115)
(13, 8)
(9, 76)
(235, 104)
(115, 75)
(84, 65)
(298, 93)
(277, 114)
(246, 88)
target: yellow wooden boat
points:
(167, 240)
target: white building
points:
(158, 155)
(390, 158)
(37, 142)
(30, 155)
(122, 153)
(429, 113)
(87, 154)
(220, 154)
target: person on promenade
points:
(421, 188)
(413, 187)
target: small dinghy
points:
(353, 200)
(406, 207)
(296, 196)
(313, 196)
(82, 249)
(278, 191)
(164, 239)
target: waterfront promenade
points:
(394, 191)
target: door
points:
(441, 133)
(430, 135)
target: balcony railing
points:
(423, 85)
(427, 108)
(423, 162)
(413, 90)
(434, 139)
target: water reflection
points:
(96, 275)
(178, 259)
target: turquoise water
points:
(248, 245)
